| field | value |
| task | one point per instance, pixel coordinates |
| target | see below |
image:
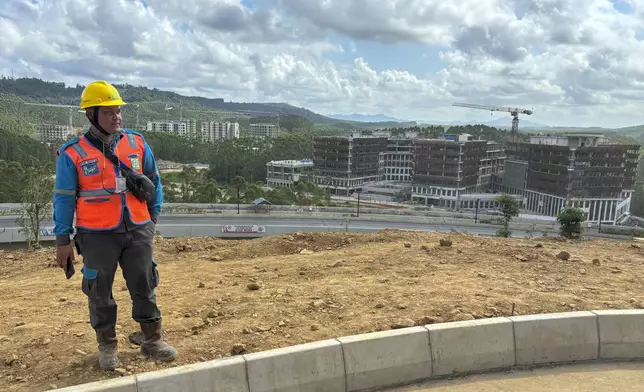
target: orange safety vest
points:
(98, 206)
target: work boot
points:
(152, 346)
(107, 350)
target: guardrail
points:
(196, 208)
(405, 356)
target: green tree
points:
(509, 209)
(36, 203)
(570, 219)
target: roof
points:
(260, 200)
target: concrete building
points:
(288, 173)
(263, 130)
(581, 169)
(444, 170)
(52, 133)
(492, 166)
(346, 164)
(213, 131)
(397, 160)
(187, 128)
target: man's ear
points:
(89, 113)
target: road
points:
(602, 377)
(199, 225)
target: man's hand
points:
(64, 252)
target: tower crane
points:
(513, 111)
(70, 107)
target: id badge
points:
(120, 184)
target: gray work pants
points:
(102, 252)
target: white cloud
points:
(573, 61)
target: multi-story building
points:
(186, 128)
(492, 166)
(445, 169)
(288, 173)
(52, 133)
(213, 131)
(583, 170)
(345, 164)
(397, 160)
(263, 130)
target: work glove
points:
(64, 252)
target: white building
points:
(50, 133)
(397, 160)
(213, 131)
(263, 130)
(187, 128)
(287, 173)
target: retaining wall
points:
(386, 359)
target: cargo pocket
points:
(154, 277)
(89, 281)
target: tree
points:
(570, 219)
(36, 203)
(509, 209)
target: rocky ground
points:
(222, 297)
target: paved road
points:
(330, 224)
(609, 377)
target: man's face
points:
(109, 117)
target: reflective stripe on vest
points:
(98, 206)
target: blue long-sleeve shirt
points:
(64, 199)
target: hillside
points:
(152, 103)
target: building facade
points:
(280, 174)
(263, 131)
(214, 131)
(582, 170)
(445, 170)
(52, 133)
(187, 128)
(346, 164)
(397, 160)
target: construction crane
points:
(70, 107)
(513, 111)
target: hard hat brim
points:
(116, 102)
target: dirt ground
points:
(222, 297)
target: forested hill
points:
(32, 89)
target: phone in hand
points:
(69, 269)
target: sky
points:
(573, 62)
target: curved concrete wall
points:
(390, 358)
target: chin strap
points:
(94, 121)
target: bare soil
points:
(223, 297)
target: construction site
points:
(223, 298)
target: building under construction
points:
(447, 172)
(581, 169)
(344, 164)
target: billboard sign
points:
(243, 229)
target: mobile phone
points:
(70, 270)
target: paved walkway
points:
(611, 377)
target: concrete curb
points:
(379, 360)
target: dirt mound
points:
(226, 297)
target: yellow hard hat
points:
(100, 93)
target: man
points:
(113, 226)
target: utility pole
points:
(476, 213)
(358, 214)
(237, 199)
